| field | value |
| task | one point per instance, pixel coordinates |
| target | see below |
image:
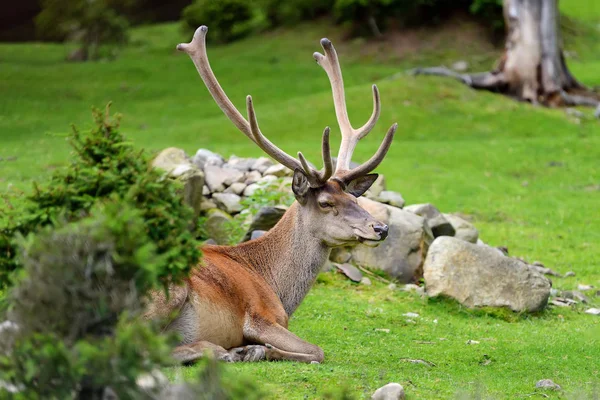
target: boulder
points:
(218, 178)
(228, 202)
(376, 188)
(391, 391)
(262, 164)
(216, 225)
(479, 276)
(252, 177)
(391, 198)
(265, 219)
(236, 188)
(436, 221)
(402, 254)
(278, 170)
(463, 229)
(178, 166)
(205, 157)
(239, 163)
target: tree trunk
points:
(533, 66)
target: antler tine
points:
(265, 144)
(196, 49)
(373, 162)
(350, 136)
(327, 161)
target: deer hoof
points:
(254, 353)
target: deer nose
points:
(381, 230)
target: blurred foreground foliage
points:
(105, 166)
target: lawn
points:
(529, 177)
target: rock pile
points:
(423, 242)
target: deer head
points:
(327, 198)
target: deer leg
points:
(276, 343)
(189, 353)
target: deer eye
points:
(325, 204)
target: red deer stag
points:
(237, 304)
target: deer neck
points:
(289, 257)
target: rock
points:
(573, 112)
(462, 229)
(391, 391)
(350, 271)
(252, 177)
(411, 315)
(217, 178)
(584, 288)
(340, 255)
(177, 165)
(236, 188)
(207, 204)
(205, 190)
(376, 188)
(205, 157)
(216, 225)
(391, 198)
(460, 66)
(265, 219)
(402, 254)
(228, 202)
(593, 311)
(539, 267)
(569, 274)
(241, 164)
(267, 179)
(251, 189)
(597, 112)
(439, 225)
(256, 234)
(262, 164)
(278, 170)
(365, 281)
(547, 384)
(392, 286)
(477, 276)
(575, 295)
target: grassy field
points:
(529, 177)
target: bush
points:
(228, 19)
(104, 166)
(93, 24)
(289, 12)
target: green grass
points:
(529, 177)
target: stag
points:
(238, 302)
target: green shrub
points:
(228, 19)
(105, 165)
(289, 12)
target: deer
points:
(237, 302)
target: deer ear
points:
(300, 186)
(361, 184)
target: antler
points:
(351, 136)
(196, 49)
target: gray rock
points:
(262, 164)
(207, 204)
(593, 311)
(376, 188)
(584, 288)
(239, 163)
(402, 254)
(539, 267)
(391, 391)
(350, 271)
(217, 178)
(340, 255)
(597, 112)
(575, 295)
(205, 157)
(257, 234)
(278, 170)
(251, 189)
(436, 221)
(178, 166)
(573, 112)
(391, 198)
(216, 225)
(477, 276)
(267, 179)
(236, 188)
(228, 202)
(252, 177)
(547, 384)
(366, 281)
(265, 219)
(205, 190)
(569, 274)
(460, 66)
(462, 229)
